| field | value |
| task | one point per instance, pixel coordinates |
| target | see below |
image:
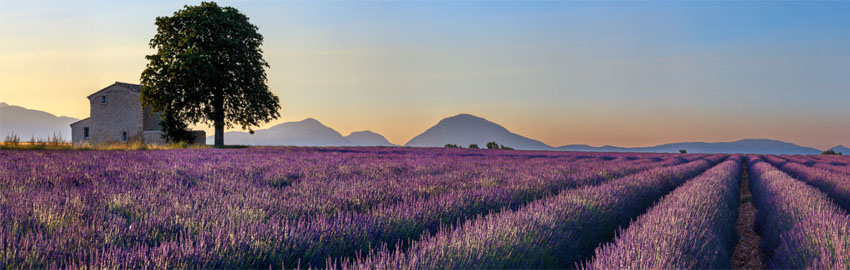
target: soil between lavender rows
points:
(747, 254)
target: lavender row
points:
(691, 228)
(306, 183)
(551, 233)
(837, 164)
(313, 241)
(821, 241)
(834, 184)
(303, 183)
(216, 208)
(800, 226)
(357, 233)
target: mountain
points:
(367, 138)
(308, 132)
(466, 129)
(462, 129)
(841, 149)
(746, 146)
(588, 148)
(28, 123)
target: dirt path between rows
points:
(747, 254)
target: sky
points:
(633, 73)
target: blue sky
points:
(622, 73)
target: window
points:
(86, 132)
(158, 118)
(124, 136)
(103, 99)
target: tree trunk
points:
(218, 122)
(219, 133)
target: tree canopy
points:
(208, 68)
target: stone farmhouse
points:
(117, 116)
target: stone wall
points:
(122, 112)
(78, 133)
(200, 137)
(151, 120)
(154, 137)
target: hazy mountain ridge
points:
(466, 129)
(745, 146)
(588, 148)
(462, 129)
(307, 132)
(841, 149)
(367, 138)
(29, 123)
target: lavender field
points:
(415, 208)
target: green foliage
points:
(494, 145)
(683, 151)
(55, 142)
(11, 139)
(473, 146)
(831, 152)
(450, 145)
(208, 68)
(175, 130)
(180, 145)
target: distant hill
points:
(367, 138)
(841, 149)
(747, 146)
(588, 148)
(307, 132)
(466, 129)
(29, 123)
(462, 130)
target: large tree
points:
(208, 68)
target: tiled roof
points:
(135, 87)
(132, 87)
(84, 119)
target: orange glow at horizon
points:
(603, 74)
